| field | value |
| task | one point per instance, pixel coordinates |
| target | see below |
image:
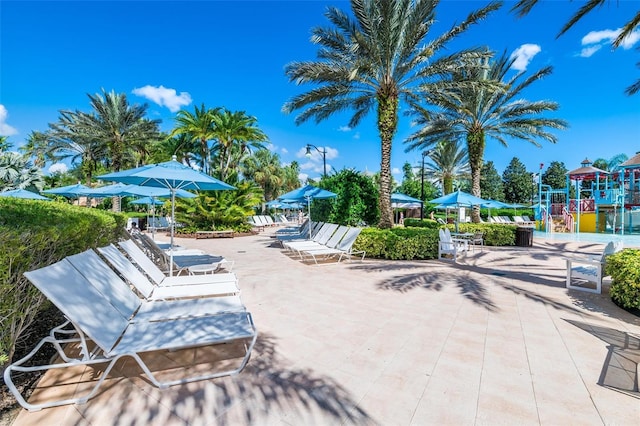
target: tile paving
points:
(495, 339)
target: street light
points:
(424, 154)
(321, 151)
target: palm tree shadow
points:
(620, 368)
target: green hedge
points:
(624, 268)
(35, 234)
(422, 242)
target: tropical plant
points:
(377, 59)
(219, 210)
(5, 145)
(483, 111)
(449, 162)
(612, 164)
(198, 128)
(119, 125)
(65, 142)
(236, 134)
(16, 172)
(37, 148)
(265, 170)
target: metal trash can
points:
(524, 236)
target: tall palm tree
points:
(235, 133)
(523, 7)
(65, 141)
(449, 161)
(376, 60)
(119, 125)
(37, 148)
(265, 170)
(477, 112)
(5, 145)
(198, 127)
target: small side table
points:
(207, 268)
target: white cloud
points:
(523, 56)
(164, 96)
(396, 171)
(344, 129)
(284, 150)
(58, 168)
(595, 40)
(270, 147)
(316, 155)
(356, 135)
(588, 51)
(303, 177)
(5, 129)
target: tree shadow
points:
(267, 385)
(620, 368)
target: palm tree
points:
(65, 141)
(523, 7)
(236, 134)
(198, 127)
(475, 113)
(376, 60)
(37, 147)
(119, 125)
(265, 170)
(4, 143)
(449, 161)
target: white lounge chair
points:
(321, 237)
(344, 249)
(106, 334)
(589, 269)
(160, 279)
(100, 274)
(451, 247)
(131, 272)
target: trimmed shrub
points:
(624, 268)
(35, 234)
(422, 242)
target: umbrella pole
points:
(173, 225)
(153, 218)
(309, 210)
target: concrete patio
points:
(495, 339)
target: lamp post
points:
(321, 151)
(424, 154)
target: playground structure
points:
(604, 202)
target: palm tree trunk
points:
(387, 126)
(475, 148)
(447, 185)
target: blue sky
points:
(174, 55)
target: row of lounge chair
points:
(118, 303)
(259, 222)
(320, 241)
(517, 220)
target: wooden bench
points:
(214, 234)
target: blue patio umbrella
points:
(494, 204)
(23, 193)
(171, 175)
(114, 190)
(459, 199)
(399, 200)
(149, 201)
(306, 193)
(69, 191)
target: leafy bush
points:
(417, 223)
(399, 243)
(624, 268)
(422, 242)
(35, 234)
